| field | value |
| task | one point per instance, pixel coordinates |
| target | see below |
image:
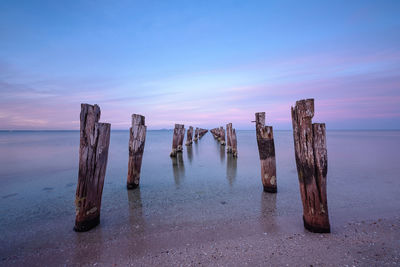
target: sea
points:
(203, 186)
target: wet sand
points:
(226, 243)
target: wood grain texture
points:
(215, 133)
(189, 136)
(311, 161)
(229, 138)
(234, 144)
(137, 139)
(196, 134)
(222, 136)
(266, 149)
(181, 136)
(177, 139)
(93, 155)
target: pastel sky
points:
(201, 63)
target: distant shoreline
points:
(278, 130)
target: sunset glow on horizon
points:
(199, 63)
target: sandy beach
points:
(234, 243)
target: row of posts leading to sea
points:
(309, 146)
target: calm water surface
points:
(204, 186)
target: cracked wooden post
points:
(196, 134)
(229, 138)
(312, 166)
(222, 135)
(181, 136)
(93, 154)
(234, 144)
(266, 150)
(175, 137)
(189, 136)
(137, 138)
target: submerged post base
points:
(86, 225)
(173, 153)
(270, 189)
(316, 229)
(132, 186)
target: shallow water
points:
(203, 186)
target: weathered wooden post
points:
(93, 154)
(222, 135)
(312, 166)
(266, 150)
(203, 132)
(189, 136)
(215, 133)
(137, 138)
(234, 144)
(196, 134)
(181, 136)
(229, 138)
(175, 141)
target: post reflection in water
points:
(189, 150)
(222, 153)
(136, 219)
(196, 147)
(268, 212)
(178, 168)
(231, 169)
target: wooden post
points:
(196, 134)
(137, 138)
(202, 132)
(312, 166)
(181, 136)
(222, 135)
(189, 136)
(93, 154)
(266, 149)
(175, 137)
(229, 138)
(215, 133)
(234, 144)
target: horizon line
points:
(171, 129)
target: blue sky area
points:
(201, 63)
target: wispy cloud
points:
(346, 88)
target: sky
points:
(201, 63)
